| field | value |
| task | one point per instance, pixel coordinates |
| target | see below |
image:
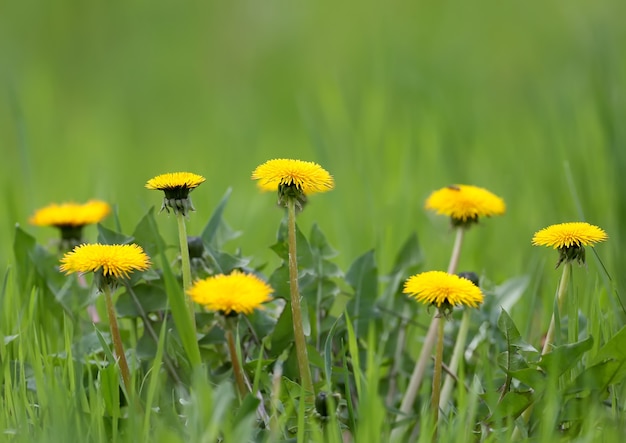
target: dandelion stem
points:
(296, 311)
(185, 263)
(434, 404)
(431, 336)
(234, 358)
(459, 346)
(117, 340)
(560, 297)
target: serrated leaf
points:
(599, 377)
(513, 404)
(107, 236)
(531, 377)
(409, 256)
(510, 362)
(216, 232)
(564, 357)
(511, 334)
(282, 336)
(145, 236)
(614, 349)
(151, 298)
(319, 243)
(363, 278)
(303, 250)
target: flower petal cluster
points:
(566, 235)
(176, 186)
(465, 203)
(175, 180)
(71, 214)
(443, 290)
(233, 293)
(117, 261)
(307, 177)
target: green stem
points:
(429, 340)
(296, 311)
(560, 298)
(234, 359)
(185, 263)
(437, 375)
(117, 340)
(459, 347)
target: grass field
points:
(395, 100)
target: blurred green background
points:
(394, 98)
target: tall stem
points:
(234, 359)
(459, 347)
(296, 311)
(117, 340)
(560, 297)
(185, 263)
(431, 336)
(437, 375)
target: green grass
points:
(394, 99)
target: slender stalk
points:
(560, 297)
(459, 347)
(296, 311)
(437, 375)
(429, 340)
(234, 358)
(185, 263)
(117, 340)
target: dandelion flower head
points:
(307, 177)
(465, 203)
(236, 293)
(569, 239)
(176, 187)
(175, 181)
(565, 235)
(443, 290)
(71, 214)
(114, 261)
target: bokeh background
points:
(394, 98)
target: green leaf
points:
(319, 243)
(513, 404)
(614, 349)
(534, 378)
(363, 278)
(511, 334)
(151, 298)
(410, 255)
(564, 357)
(23, 245)
(283, 332)
(303, 250)
(145, 236)
(216, 232)
(599, 377)
(107, 236)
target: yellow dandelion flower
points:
(111, 262)
(307, 177)
(71, 214)
(443, 290)
(176, 186)
(464, 204)
(569, 239)
(233, 293)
